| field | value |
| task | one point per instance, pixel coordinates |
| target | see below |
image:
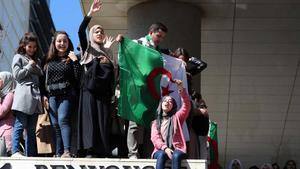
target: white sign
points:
(94, 163)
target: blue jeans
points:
(28, 122)
(60, 120)
(162, 157)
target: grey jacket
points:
(27, 98)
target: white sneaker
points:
(17, 155)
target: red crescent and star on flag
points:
(150, 82)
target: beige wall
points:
(252, 51)
(252, 83)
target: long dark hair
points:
(182, 51)
(160, 111)
(25, 40)
(53, 53)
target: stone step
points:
(90, 163)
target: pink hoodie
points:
(178, 119)
(7, 119)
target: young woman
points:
(97, 88)
(166, 131)
(62, 72)
(199, 123)
(7, 120)
(27, 99)
(197, 65)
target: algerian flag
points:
(177, 68)
(141, 83)
(213, 145)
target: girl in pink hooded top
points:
(166, 131)
(7, 86)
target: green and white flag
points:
(142, 83)
(213, 145)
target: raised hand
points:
(72, 56)
(179, 84)
(95, 7)
(119, 38)
(108, 41)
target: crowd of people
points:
(79, 94)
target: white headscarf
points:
(94, 49)
(8, 83)
(266, 165)
(235, 160)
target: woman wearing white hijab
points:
(266, 166)
(96, 89)
(7, 120)
(235, 164)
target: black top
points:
(82, 34)
(200, 122)
(62, 72)
(195, 66)
(97, 77)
